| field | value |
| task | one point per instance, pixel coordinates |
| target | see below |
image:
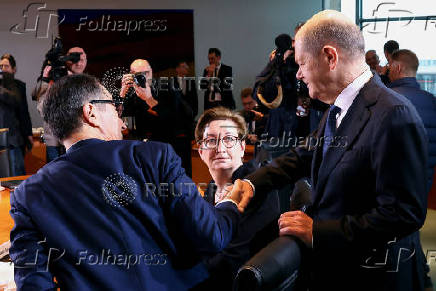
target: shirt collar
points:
(347, 96)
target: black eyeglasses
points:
(228, 141)
(117, 103)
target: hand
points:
(287, 54)
(126, 83)
(252, 138)
(30, 143)
(379, 69)
(145, 94)
(46, 71)
(241, 193)
(298, 224)
(210, 70)
(272, 55)
(257, 115)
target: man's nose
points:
(299, 74)
(123, 125)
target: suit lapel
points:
(317, 155)
(350, 128)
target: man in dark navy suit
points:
(111, 214)
(368, 168)
(402, 74)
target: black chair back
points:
(4, 154)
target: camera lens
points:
(140, 80)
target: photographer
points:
(253, 115)
(73, 63)
(292, 113)
(151, 108)
(14, 114)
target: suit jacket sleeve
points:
(193, 97)
(30, 257)
(226, 87)
(284, 170)
(398, 158)
(208, 228)
(204, 82)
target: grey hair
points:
(330, 27)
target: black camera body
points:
(250, 115)
(140, 79)
(57, 60)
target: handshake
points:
(240, 193)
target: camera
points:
(249, 115)
(57, 60)
(140, 79)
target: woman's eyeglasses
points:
(228, 141)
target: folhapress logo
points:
(37, 19)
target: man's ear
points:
(400, 68)
(331, 55)
(90, 115)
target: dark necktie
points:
(330, 128)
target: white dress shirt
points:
(347, 96)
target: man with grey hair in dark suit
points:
(367, 161)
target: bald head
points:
(330, 27)
(141, 66)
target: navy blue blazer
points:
(118, 215)
(369, 194)
(425, 104)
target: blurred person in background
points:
(53, 146)
(16, 116)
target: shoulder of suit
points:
(225, 66)
(20, 83)
(154, 149)
(386, 97)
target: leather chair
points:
(278, 266)
(4, 153)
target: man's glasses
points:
(228, 141)
(117, 103)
